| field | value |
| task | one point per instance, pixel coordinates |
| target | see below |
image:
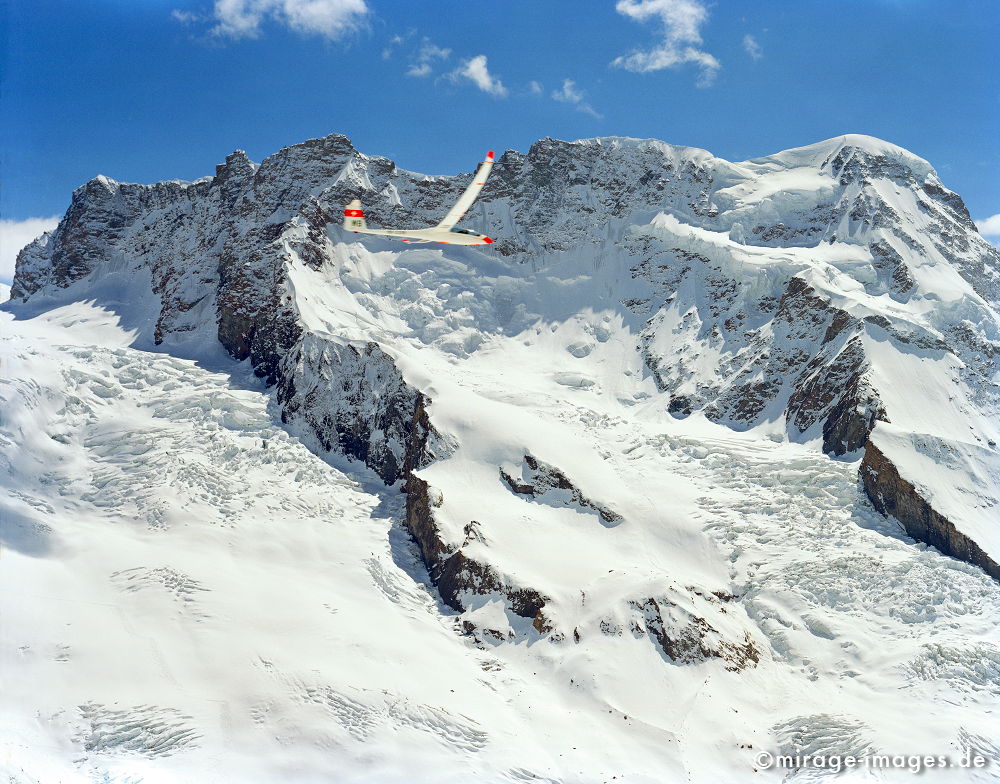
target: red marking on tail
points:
(354, 213)
(489, 155)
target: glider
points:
(445, 231)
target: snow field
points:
(847, 608)
(189, 593)
(192, 595)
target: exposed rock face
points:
(802, 355)
(455, 574)
(100, 217)
(893, 495)
(354, 399)
(687, 638)
(538, 478)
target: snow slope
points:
(203, 599)
(635, 559)
(190, 594)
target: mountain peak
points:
(820, 154)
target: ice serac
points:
(835, 294)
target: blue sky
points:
(144, 90)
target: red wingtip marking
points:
(487, 240)
(489, 155)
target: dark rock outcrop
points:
(452, 571)
(892, 495)
(354, 399)
(538, 478)
(686, 638)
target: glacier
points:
(698, 459)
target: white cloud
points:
(752, 47)
(422, 64)
(682, 21)
(15, 234)
(185, 17)
(989, 227)
(535, 88)
(243, 18)
(570, 94)
(329, 18)
(429, 51)
(395, 42)
(424, 69)
(476, 71)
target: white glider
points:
(445, 231)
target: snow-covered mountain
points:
(616, 500)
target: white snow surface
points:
(191, 593)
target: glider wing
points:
(466, 199)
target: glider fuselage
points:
(446, 236)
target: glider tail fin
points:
(354, 217)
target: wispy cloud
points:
(476, 70)
(569, 93)
(422, 64)
(752, 47)
(989, 227)
(390, 47)
(236, 19)
(186, 17)
(681, 21)
(535, 88)
(15, 234)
